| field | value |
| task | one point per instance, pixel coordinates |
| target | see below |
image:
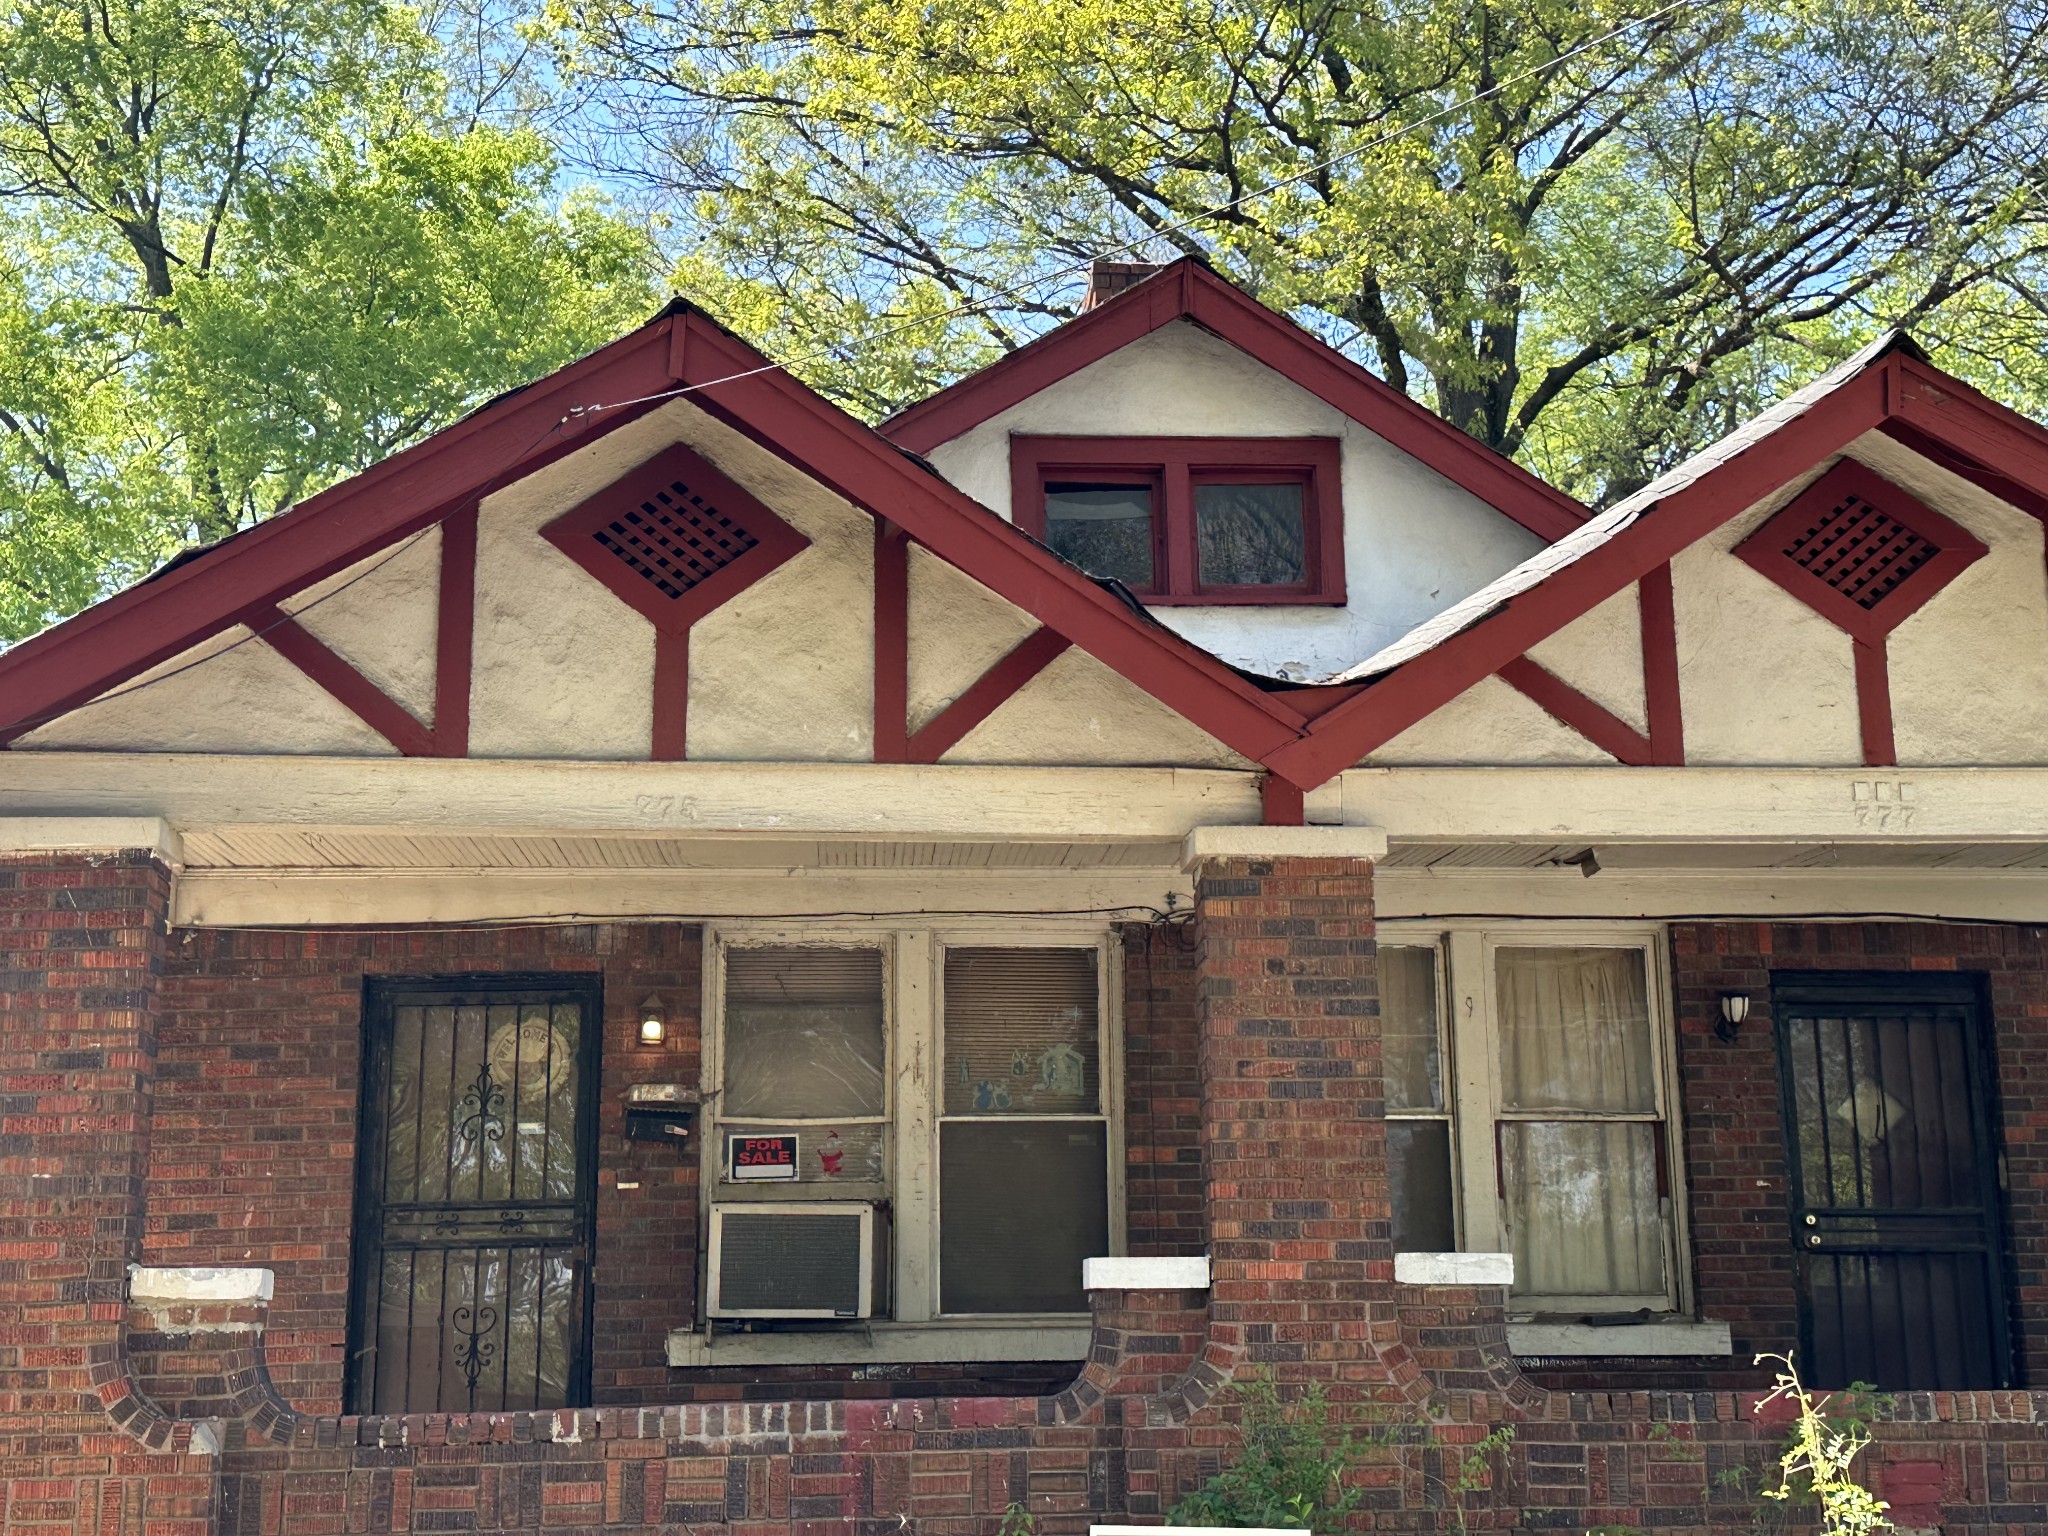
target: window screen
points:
(804, 1033)
(1023, 1146)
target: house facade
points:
(666, 960)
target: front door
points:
(1887, 1095)
(475, 1188)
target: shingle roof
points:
(1582, 541)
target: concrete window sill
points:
(1061, 1337)
(1577, 1341)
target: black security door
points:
(1895, 1203)
(474, 1194)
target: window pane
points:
(1408, 1034)
(803, 1033)
(1419, 1172)
(1021, 1033)
(1575, 1030)
(1021, 1204)
(1250, 535)
(1104, 529)
(1582, 1204)
(826, 1156)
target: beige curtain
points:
(1581, 1194)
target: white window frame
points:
(913, 990)
(1468, 1041)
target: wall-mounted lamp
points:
(1734, 1009)
(653, 1023)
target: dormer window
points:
(1189, 519)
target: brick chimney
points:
(1107, 279)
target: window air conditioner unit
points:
(788, 1258)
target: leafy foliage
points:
(1291, 1467)
(247, 248)
(1818, 1465)
(1595, 251)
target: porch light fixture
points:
(653, 1023)
(1734, 1009)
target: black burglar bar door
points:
(475, 1188)
(1895, 1202)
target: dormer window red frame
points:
(1174, 470)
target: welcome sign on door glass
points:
(761, 1157)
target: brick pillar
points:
(1292, 1101)
(81, 952)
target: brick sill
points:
(1576, 1341)
(1058, 1337)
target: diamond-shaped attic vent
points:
(1861, 551)
(675, 539)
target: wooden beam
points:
(988, 693)
(1662, 700)
(671, 696)
(455, 633)
(363, 698)
(1565, 704)
(892, 643)
(326, 897)
(416, 795)
(1425, 684)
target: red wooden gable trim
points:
(1561, 701)
(850, 459)
(1874, 702)
(892, 644)
(517, 434)
(132, 631)
(1418, 687)
(988, 693)
(1188, 290)
(455, 633)
(1281, 803)
(1661, 698)
(369, 703)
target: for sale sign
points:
(760, 1157)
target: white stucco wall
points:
(382, 614)
(1764, 679)
(958, 630)
(1601, 655)
(1489, 722)
(1079, 711)
(230, 694)
(1414, 543)
(1969, 670)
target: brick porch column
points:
(81, 952)
(1292, 1102)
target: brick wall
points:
(253, 1160)
(80, 956)
(1735, 1142)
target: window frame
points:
(1466, 952)
(1176, 465)
(913, 998)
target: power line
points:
(975, 306)
(972, 306)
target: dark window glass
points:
(1419, 1176)
(1021, 1204)
(1250, 535)
(1104, 529)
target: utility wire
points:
(969, 307)
(1201, 216)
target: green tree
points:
(247, 248)
(1593, 252)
